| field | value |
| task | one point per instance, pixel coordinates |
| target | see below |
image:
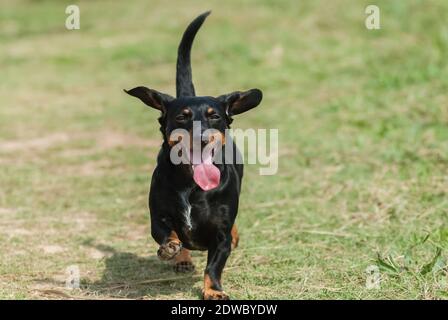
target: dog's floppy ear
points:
(238, 102)
(151, 97)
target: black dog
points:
(194, 205)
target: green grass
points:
(363, 127)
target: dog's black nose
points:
(205, 139)
(201, 138)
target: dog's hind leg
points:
(183, 262)
(235, 237)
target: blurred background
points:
(362, 118)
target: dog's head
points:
(214, 114)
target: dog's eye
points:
(181, 118)
(214, 116)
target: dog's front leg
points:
(170, 245)
(218, 253)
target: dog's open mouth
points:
(206, 175)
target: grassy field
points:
(363, 129)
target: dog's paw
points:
(184, 267)
(210, 294)
(169, 250)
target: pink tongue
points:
(206, 175)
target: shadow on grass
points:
(127, 275)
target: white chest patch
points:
(187, 209)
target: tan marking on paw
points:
(183, 262)
(171, 248)
(210, 294)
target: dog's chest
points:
(195, 225)
(186, 209)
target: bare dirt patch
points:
(113, 139)
(52, 249)
(89, 168)
(138, 232)
(41, 143)
(81, 221)
(104, 140)
(7, 211)
(17, 232)
(97, 254)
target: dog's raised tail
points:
(184, 79)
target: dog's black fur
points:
(183, 216)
